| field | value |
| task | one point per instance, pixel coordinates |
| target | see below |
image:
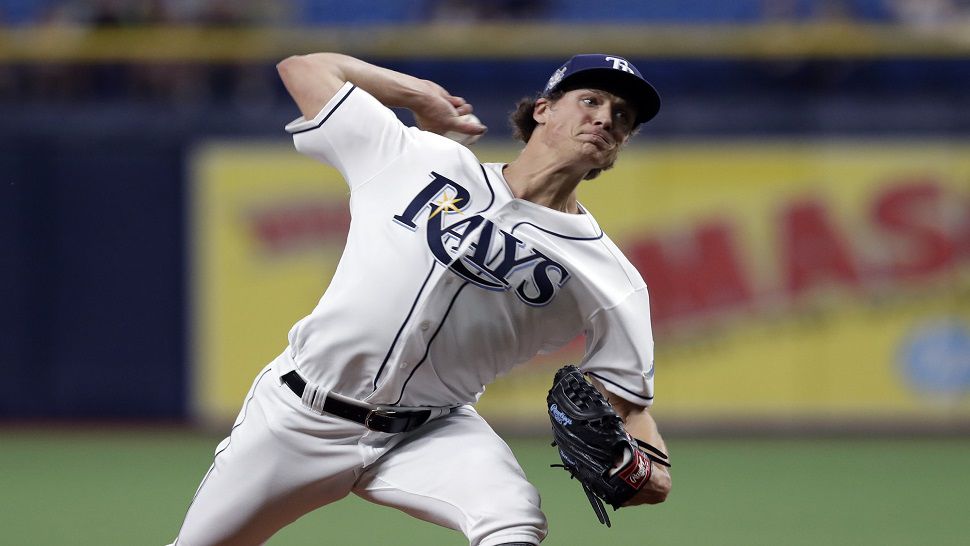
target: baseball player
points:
(454, 272)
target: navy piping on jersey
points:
(490, 189)
(560, 235)
(330, 113)
(397, 336)
(427, 349)
(621, 387)
(550, 232)
(417, 298)
(430, 341)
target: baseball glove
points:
(594, 447)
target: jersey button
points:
(425, 325)
(405, 365)
(515, 206)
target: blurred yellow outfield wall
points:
(801, 281)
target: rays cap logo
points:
(610, 73)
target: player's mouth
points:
(600, 138)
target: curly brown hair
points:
(521, 117)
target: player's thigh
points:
(276, 465)
(456, 472)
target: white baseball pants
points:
(282, 460)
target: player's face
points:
(595, 123)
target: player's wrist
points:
(415, 94)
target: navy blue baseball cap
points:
(610, 73)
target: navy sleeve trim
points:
(330, 113)
(621, 387)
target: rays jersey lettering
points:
(495, 259)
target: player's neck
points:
(543, 182)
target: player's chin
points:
(606, 161)
(600, 156)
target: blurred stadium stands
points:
(311, 12)
(95, 135)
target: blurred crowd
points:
(254, 83)
(120, 13)
(323, 12)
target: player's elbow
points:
(290, 66)
(312, 62)
(312, 79)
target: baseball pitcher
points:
(454, 272)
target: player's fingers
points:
(461, 105)
(471, 126)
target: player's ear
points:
(541, 110)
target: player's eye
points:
(623, 117)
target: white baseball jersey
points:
(448, 281)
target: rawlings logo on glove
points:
(559, 416)
(636, 474)
(593, 445)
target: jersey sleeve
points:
(619, 348)
(354, 133)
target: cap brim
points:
(622, 84)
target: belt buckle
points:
(384, 420)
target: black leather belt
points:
(380, 419)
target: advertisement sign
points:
(818, 280)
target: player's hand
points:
(440, 112)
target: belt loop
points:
(313, 398)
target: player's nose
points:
(603, 116)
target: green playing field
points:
(132, 486)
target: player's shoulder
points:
(358, 99)
(615, 268)
(439, 149)
(434, 140)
